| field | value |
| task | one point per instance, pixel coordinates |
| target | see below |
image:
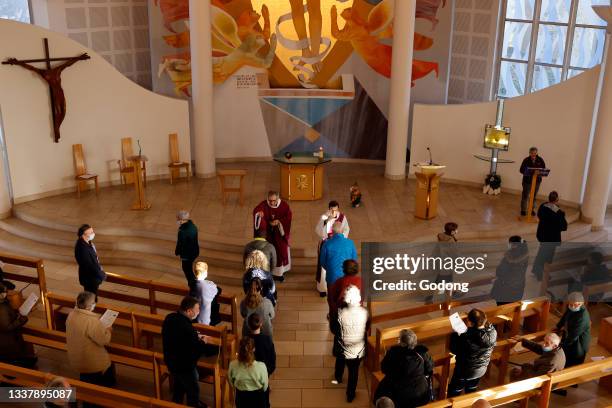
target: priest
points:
(324, 231)
(274, 217)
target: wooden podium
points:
(301, 177)
(141, 202)
(428, 185)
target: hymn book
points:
(457, 323)
(29, 303)
(108, 318)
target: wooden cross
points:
(52, 75)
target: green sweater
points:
(245, 378)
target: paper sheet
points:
(457, 323)
(109, 317)
(28, 304)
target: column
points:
(600, 166)
(399, 100)
(5, 196)
(202, 88)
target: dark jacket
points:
(527, 162)
(264, 351)
(267, 283)
(264, 246)
(548, 362)
(473, 350)
(7, 284)
(552, 222)
(576, 330)
(509, 282)
(187, 246)
(12, 345)
(90, 271)
(181, 344)
(405, 379)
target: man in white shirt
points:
(324, 231)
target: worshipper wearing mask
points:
(509, 283)
(472, 351)
(273, 216)
(86, 337)
(13, 349)
(91, 274)
(324, 230)
(254, 302)
(187, 245)
(551, 357)
(350, 333)
(575, 329)
(249, 377)
(206, 292)
(260, 244)
(183, 346)
(408, 368)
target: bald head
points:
(481, 404)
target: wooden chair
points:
(126, 169)
(80, 170)
(222, 174)
(176, 164)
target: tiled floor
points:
(302, 339)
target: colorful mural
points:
(301, 43)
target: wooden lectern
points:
(534, 172)
(428, 184)
(141, 202)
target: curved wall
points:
(102, 107)
(557, 120)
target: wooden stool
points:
(222, 174)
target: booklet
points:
(109, 317)
(28, 304)
(457, 323)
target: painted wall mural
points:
(323, 66)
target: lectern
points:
(428, 185)
(141, 202)
(534, 172)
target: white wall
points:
(557, 120)
(102, 107)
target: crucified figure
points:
(53, 78)
(315, 24)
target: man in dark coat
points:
(406, 367)
(187, 246)
(575, 329)
(91, 274)
(551, 357)
(533, 161)
(551, 223)
(13, 349)
(473, 351)
(509, 283)
(264, 246)
(183, 347)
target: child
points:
(264, 347)
(206, 292)
(355, 195)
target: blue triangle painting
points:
(304, 145)
(309, 110)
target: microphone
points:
(430, 159)
(139, 148)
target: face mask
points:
(509, 246)
(575, 309)
(92, 236)
(547, 348)
(178, 223)
(93, 307)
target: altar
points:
(301, 176)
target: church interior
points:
(258, 174)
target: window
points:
(546, 42)
(18, 10)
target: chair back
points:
(174, 149)
(79, 160)
(126, 150)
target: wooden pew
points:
(536, 310)
(132, 357)
(540, 387)
(142, 324)
(153, 287)
(551, 269)
(39, 279)
(85, 392)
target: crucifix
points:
(52, 75)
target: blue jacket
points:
(334, 252)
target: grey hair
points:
(337, 227)
(182, 215)
(85, 300)
(575, 297)
(532, 148)
(554, 337)
(385, 402)
(56, 382)
(407, 338)
(481, 403)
